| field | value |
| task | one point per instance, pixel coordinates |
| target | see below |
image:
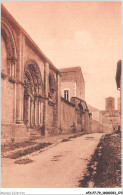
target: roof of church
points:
(70, 69)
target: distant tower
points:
(110, 103)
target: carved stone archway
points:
(9, 39)
(33, 95)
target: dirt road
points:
(62, 165)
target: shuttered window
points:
(66, 94)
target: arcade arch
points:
(33, 95)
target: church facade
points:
(30, 92)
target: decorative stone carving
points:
(33, 86)
(9, 39)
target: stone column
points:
(28, 107)
(46, 90)
(41, 104)
(39, 110)
(85, 121)
(19, 86)
(40, 113)
(36, 112)
(9, 66)
(11, 72)
(13, 66)
(19, 103)
(32, 113)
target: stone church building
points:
(30, 86)
(30, 92)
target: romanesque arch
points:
(8, 66)
(8, 38)
(33, 95)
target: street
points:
(62, 165)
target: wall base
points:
(14, 133)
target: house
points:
(72, 83)
(74, 110)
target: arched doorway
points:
(33, 93)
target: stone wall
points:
(7, 87)
(80, 86)
(96, 127)
(86, 119)
(74, 116)
(14, 133)
(110, 121)
(31, 54)
(87, 122)
(50, 124)
(7, 102)
(68, 117)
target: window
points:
(66, 94)
(110, 103)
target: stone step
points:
(35, 137)
(14, 133)
(35, 134)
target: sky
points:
(77, 33)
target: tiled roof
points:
(110, 97)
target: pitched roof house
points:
(72, 83)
